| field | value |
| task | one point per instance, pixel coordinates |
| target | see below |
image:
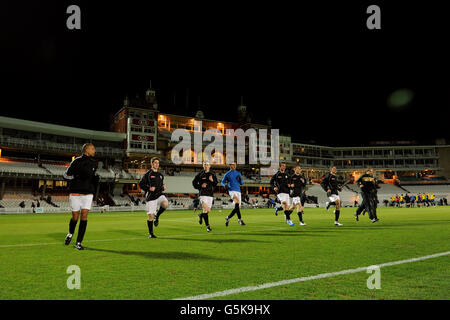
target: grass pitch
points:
(120, 262)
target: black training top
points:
(331, 182)
(152, 179)
(299, 182)
(203, 177)
(368, 183)
(82, 175)
(281, 181)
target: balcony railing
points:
(55, 146)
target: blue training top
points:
(234, 180)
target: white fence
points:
(68, 209)
(131, 208)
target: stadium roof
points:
(34, 126)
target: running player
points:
(281, 183)
(368, 186)
(298, 185)
(205, 181)
(83, 181)
(330, 184)
(232, 180)
(153, 184)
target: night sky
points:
(315, 70)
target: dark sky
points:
(315, 70)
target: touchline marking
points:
(319, 276)
(139, 238)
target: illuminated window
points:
(218, 158)
(221, 127)
(162, 121)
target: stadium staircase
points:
(351, 189)
(403, 189)
(108, 199)
(49, 201)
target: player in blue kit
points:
(232, 180)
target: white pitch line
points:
(140, 238)
(303, 279)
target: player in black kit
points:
(368, 185)
(153, 184)
(331, 184)
(83, 181)
(298, 185)
(280, 183)
(205, 182)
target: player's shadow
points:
(217, 240)
(160, 255)
(290, 233)
(61, 236)
(378, 225)
(310, 230)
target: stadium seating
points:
(16, 167)
(387, 190)
(60, 201)
(180, 203)
(438, 190)
(106, 173)
(57, 170)
(122, 201)
(13, 199)
(122, 174)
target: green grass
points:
(120, 262)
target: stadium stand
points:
(387, 190)
(57, 170)
(438, 190)
(18, 168)
(122, 201)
